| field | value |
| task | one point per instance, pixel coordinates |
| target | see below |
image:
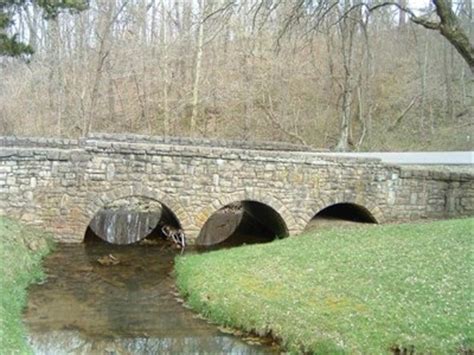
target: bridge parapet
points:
(204, 142)
(43, 142)
(58, 148)
(51, 142)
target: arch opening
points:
(242, 222)
(129, 220)
(341, 214)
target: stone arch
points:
(322, 204)
(96, 202)
(204, 214)
(248, 222)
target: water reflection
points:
(127, 308)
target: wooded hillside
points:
(330, 74)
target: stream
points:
(85, 307)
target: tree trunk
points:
(402, 20)
(197, 68)
(164, 70)
(451, 29)
(347, 27)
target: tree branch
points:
(448, 26)
(271, 117)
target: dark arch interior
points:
(341, 214)
(348, 212)
(151, 233)
(243, 222)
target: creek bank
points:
(22, 249)
(365, 290)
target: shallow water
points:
(129, 308)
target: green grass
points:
(21, 251)
(359, 290)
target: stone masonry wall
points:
(60, 184)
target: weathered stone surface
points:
(218, 228)
(61, 184)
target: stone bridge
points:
(60, 184)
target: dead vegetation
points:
(372, 81)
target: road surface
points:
(416, 158)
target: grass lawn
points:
(362, 290)
(21, 251)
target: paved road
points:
(417, 158)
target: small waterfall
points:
(127, 222)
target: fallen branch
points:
(405, 111)
(273, 119)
